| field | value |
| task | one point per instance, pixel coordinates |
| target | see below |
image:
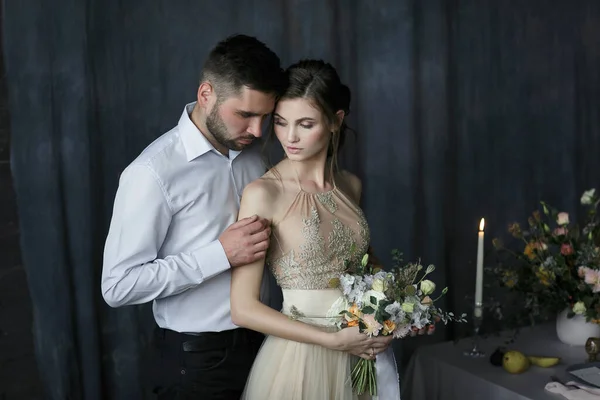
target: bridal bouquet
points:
(397, 303)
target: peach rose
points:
(427, 300)
(562, 218)
(354, 310)
(388, 327)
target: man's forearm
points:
(133, 281)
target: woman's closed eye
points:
(302, 123)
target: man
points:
(173, 236)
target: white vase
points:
(575, 331)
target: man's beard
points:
(218, 130)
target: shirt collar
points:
(194, 142)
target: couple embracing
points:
(197, 221)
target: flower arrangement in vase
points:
(555, 270)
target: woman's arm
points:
(247, 310)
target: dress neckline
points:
(312, 193)
(330, 191)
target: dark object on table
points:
(592, 347)
(496, 357)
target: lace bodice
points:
(317, 237)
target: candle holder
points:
(475, 351)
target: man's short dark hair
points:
(242, 60)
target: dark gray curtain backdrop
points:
(463, 109)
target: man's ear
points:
(206, 95)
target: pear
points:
(544, 362)
(515, 362)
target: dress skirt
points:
(288, 370)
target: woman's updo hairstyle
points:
(318, 82)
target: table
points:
(441, 371)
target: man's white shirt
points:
(172, 204)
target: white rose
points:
(379, 285)
(372, 293)
(588, 196)
(427, 287)
(579, 308)
(408, 307)
(562, 218)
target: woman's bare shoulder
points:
(351, 184)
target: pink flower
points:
(373, 327)
(561, 231)
(562, 218)
(566, 249)
(592, 277)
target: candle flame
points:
(481, 224)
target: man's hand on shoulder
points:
(247, 240)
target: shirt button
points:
(183, 372)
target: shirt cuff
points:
(211, 259)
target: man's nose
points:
(255, 127)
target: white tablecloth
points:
(441, 371)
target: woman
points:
(316, 224)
